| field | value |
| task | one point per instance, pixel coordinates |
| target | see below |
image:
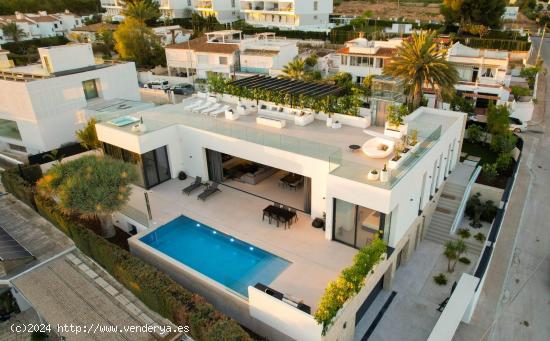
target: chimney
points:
(42, 13)
(18, 15)
(361, 34)
(67, 11)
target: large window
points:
(90, 89)
(358, 226)
(361, 61)
(9, 129)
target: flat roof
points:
(314, 140)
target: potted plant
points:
(384, 174)
(373, 175)
(397, 157)
(395, 126)
(404, 144)
(412, 140)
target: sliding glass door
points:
(358, 226)
(155, 167)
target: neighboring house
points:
(304, 15)
(362, 58)
(510, 13)
(113, 9)
(171, 9)
(40, 103)
(228, 53)
(173, 34)
(40, 25)
(484, 75)
(89, 33)
(225, 11)
(398, 28)
(215, 52)
(252, 157)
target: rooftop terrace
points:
(314, 140)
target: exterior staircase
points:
(439, 230)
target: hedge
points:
(153, 287)
(22, 188)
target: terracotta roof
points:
(201, 45)
(4, 51)
(381, 52)
(96, 27)
(44, 18)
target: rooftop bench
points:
(270, 122)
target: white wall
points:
(46, 110)
(67, 57)
(282, 316)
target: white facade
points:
(362, 58)
(113, 9)
(510, 13)
(225, 11)
(484, 74)
(304, 15)
(171, 9)
(227, 53)
(43, 101)
(40, 25)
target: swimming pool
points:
(227, 260)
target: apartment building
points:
(229, 54)
(40, 25)
(267, 152)
(41, 104)
(304, 15)
(225, 11)
(113, 9)
(171, 9)
(362, 58)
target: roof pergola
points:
(288, 86)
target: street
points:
(515, 302)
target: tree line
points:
(9, 7)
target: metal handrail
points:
(462, 207)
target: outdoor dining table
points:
(279, 214)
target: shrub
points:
(489, 211)
(464, 233)
(519, 91)
(474, 133)
(464, 260)
(153, 287)
(349, 283)
(490, 171)
(480, 237)
(18, 186)
(503, 161)
(440, 279)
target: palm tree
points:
(12, 30)
(141, 10)
(295, 69)
(420, 62)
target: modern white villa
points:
(229, 54)
(303, 15)
(42, 105)
(302, 165)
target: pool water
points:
(227, 260)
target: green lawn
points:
(478, 149)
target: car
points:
(182, 89)
(159, 85)
(517, 125)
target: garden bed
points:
(488, 157)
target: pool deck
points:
(315, 260)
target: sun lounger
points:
(195, 104)
(214, 107)
(221, 110)
(213, 188)
(189, 189)
(202, 107)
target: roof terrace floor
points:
(315, 260)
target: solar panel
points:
(10, 249)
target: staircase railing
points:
(462, 207)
